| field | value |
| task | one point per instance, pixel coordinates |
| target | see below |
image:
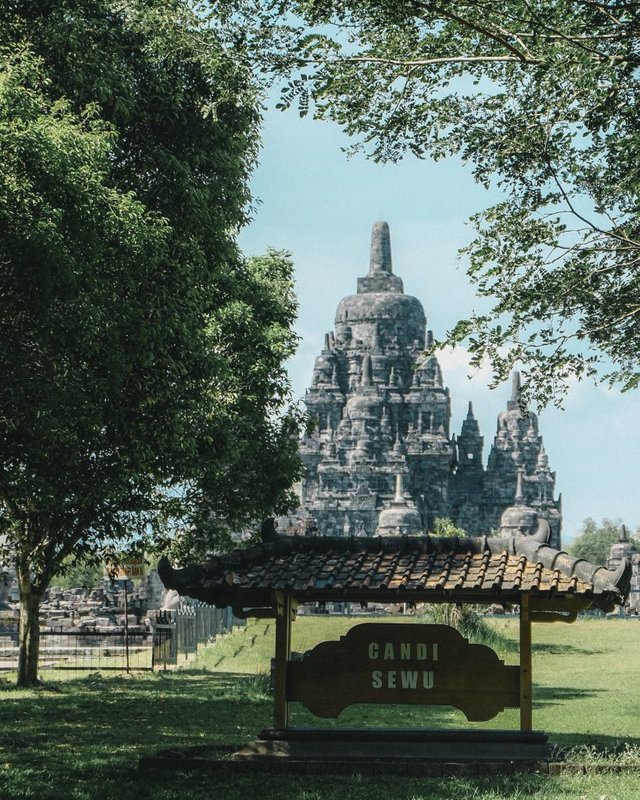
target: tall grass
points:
(467, 620)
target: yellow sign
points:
(126, 569)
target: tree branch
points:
(602, 8)
(588, 222)
(621, 318)
(524, 54)
(562, 36)
(399, 62)
(499, 39)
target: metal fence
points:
(174, 636)
(178, 633)
(96, 651)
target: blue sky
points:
(320, 206)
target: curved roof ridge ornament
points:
(620, 577)
(268, 530)
(543, 533)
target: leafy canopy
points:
(142, 373)
(541, 99)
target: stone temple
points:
(381, 458)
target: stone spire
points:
(470, 444)
(401, 517)
(516, 387)
(623, 548)
(366, 378)
(543, 460)
(380, 258)
(380, 277)
(519, 518)
(399, 494)
(519, 498)
(399, 449)
(437, 378)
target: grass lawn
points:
(80, 739)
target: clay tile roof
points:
(417, 569)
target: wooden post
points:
(526, 721)
(283, 652)
(126, 626)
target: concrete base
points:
(392, 746)
(409, 753)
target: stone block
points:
(130, 618)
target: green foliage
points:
(594, 541)
(541, 100)
(623, 755)
(143, 390)
(79, 574)
(443, 526)
(251, 339)
(255, 688)
(468, 620)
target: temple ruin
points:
(381, 458)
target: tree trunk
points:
(29, 634)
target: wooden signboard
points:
(403, 663)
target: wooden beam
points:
(284, 611)
(563, 608)
(526, 703)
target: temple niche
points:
(381, 458)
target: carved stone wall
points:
(381, 410)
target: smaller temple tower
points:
(518, 467)
(468, 482)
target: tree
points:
(142, 386)
(83, 574)
(541, 98)
(594, 541)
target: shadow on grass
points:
(102, 726)
(564, 649)
(381, 716)
(163, 708)
(555, 695)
